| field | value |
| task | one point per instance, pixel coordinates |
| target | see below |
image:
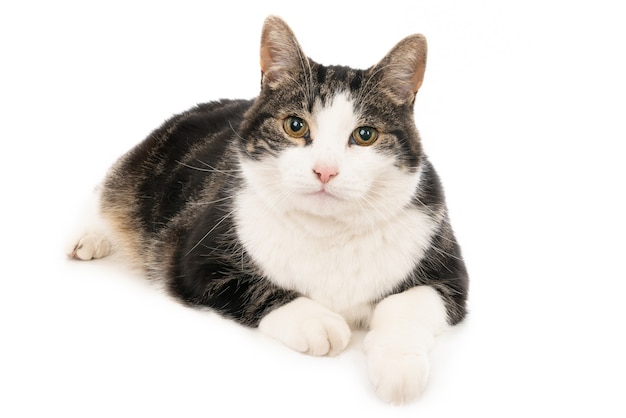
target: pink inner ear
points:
(280, 51)
(266, 59)
(404, 67)
(418, 76)
(270, 66)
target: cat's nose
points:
(325, 172)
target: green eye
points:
(295, 127)
(364, 136)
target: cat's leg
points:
(308, 327)
(91, 238)
(402, 332)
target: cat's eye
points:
(295, 127)
(364, 136)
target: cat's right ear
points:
(281, 55)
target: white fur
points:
(92, 238)
(307, 327)
(344, 243)
(401, 334)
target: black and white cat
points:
(305, 212)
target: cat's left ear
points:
(281, 54)
(403, 69)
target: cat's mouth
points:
(321, 203)
(324, 193)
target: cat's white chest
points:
(345, 269)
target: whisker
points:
(218, 223)
(209, 169)
(193, 167)
(235, 131)
(211, 202)
(307, 72)
(365, 91)
(237, 170)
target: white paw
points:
(89, 239)
(307, 327)
(398, 377)
(90, 246)
(398, 372)
(402, 332)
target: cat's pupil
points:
(296, 125)
(365, 133)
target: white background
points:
(522, 111)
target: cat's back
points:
(156, 180)
(204, 128)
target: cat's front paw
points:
(399, 373)
(307, 327)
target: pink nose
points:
(325, 173)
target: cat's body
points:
(305, 211)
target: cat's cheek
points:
(296, 171)
(307, 327)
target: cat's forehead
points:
(360, 86)
(334, 78)
(336, 114)
(318, 87)
(329, 81)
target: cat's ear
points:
(281, 55)
(403, 68)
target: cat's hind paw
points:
(307, 327)
(90, 246)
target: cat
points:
(307, 212)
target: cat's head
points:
(329, 140)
